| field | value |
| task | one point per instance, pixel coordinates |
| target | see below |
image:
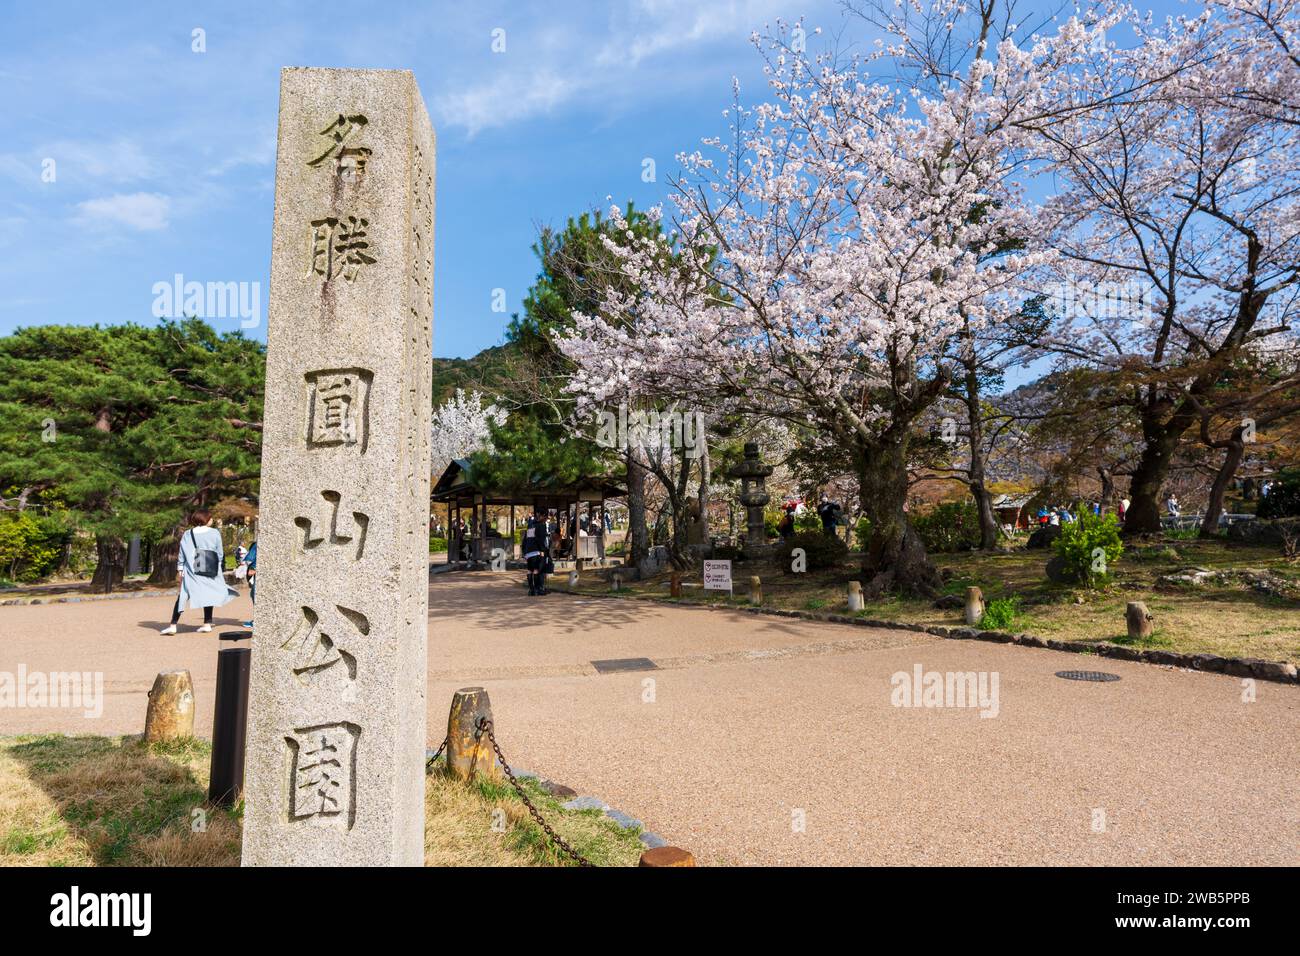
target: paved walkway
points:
(753, 723)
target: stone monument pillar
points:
(336, 716)
(753, 495)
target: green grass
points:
(1000, 614)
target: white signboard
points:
(717, 576)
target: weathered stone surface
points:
(653, 840)
(1273, 670)
(585, 803)
(1059, 572)
(855, 597)
(336, 724)
(666, 856)
(622, 819)
(469, 751)
(170, 714)
(974, 605)
(1140, 623)
(1044, 536)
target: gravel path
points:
(753, 724)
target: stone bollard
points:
(855, 596)
(616, 581)
(974, 606)
(755, 590)
(675, 584)
(573, 579)
(171, 707)
(469, 752)
(666, 856)
(1140, 624)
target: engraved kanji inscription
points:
(338, 407)
(324, 639)
(322, 776)
(349, 533)
(341, 138)
(340, 245)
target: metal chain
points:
(485, 726)
(441, 747)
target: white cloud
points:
(508, 98)
(142, 211)
(644, 49)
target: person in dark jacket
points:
(829, 512)
(536, 548)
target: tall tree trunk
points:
(1232, 457)
(895, 559)
(706, 477)
(163, 554)
(1107, 488)
(110, 568)
(1143, 515)
(975, 426)
(638, 535)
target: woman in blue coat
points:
(203, 583)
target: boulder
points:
(1044, 536)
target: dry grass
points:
(1229, 619)
(100, 801)
(459, 820)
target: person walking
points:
(534, 550)
(200, 566)
(250, 560)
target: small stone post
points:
(755, 590)
(974, 606)
(855, 596)
(675, 584)
(468, 751)
(616, 581)
(170, 715)
(666, 856)
(573, 579)
(1140, 623)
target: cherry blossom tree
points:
(824, 261)
(462, 426)
(1177, 219)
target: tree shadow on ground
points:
(120, 802)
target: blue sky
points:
(164, 157)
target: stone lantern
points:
(753, 495)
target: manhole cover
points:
(625, 664)
(1097, 676)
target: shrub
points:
(1000, 613)
(1283, 498)
(862, 533)
(822, 551)
(950, 526)
(808, 521)
(1088, 546)
(30, 547)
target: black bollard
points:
(229, 724)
